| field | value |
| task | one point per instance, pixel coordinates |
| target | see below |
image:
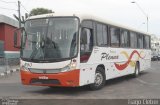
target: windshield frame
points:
(51, 60)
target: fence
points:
(6, 63)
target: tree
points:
(39, 11)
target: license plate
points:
(42, 77)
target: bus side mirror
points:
(17, 38)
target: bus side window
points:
(86, 44)
(124, 38)
(133, 40)
(140, 41)
(115, 36)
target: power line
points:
(24, 8)
(14, 3)
(6, 1)
(8, 9)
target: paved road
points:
(147, 85)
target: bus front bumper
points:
(66, 79)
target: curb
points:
(8, 72)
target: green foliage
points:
(39, 11)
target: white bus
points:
(73, 50)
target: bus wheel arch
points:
(99, 79)
(101, 66)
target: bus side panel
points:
(110, 57)
(117, 62)
(87, 73)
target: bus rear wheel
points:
(137, 71)
(99, 80)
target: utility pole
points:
(146, 15)
(19, 14)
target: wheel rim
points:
(98, 79)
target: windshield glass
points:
(50, 39)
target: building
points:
(7, 27)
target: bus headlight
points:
(66, 68)
(69, 67)
(24, 68)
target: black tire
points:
(100, 79)
(137, 70)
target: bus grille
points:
(45, 81)
(45, 71)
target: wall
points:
(9, 36)
(10, 51)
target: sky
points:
(118, 11)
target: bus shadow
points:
(66, 91)
(75, 91)
(123, 78)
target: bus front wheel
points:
(99, 79)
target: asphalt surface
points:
(147, 85)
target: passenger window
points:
(115, 36)
(124, 38)
(101, 35)
(133, 40)
(105, 35)
(86, 44)
(140, 41)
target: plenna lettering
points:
(108, 57)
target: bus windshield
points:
(50, 39)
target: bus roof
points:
(84, 16)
